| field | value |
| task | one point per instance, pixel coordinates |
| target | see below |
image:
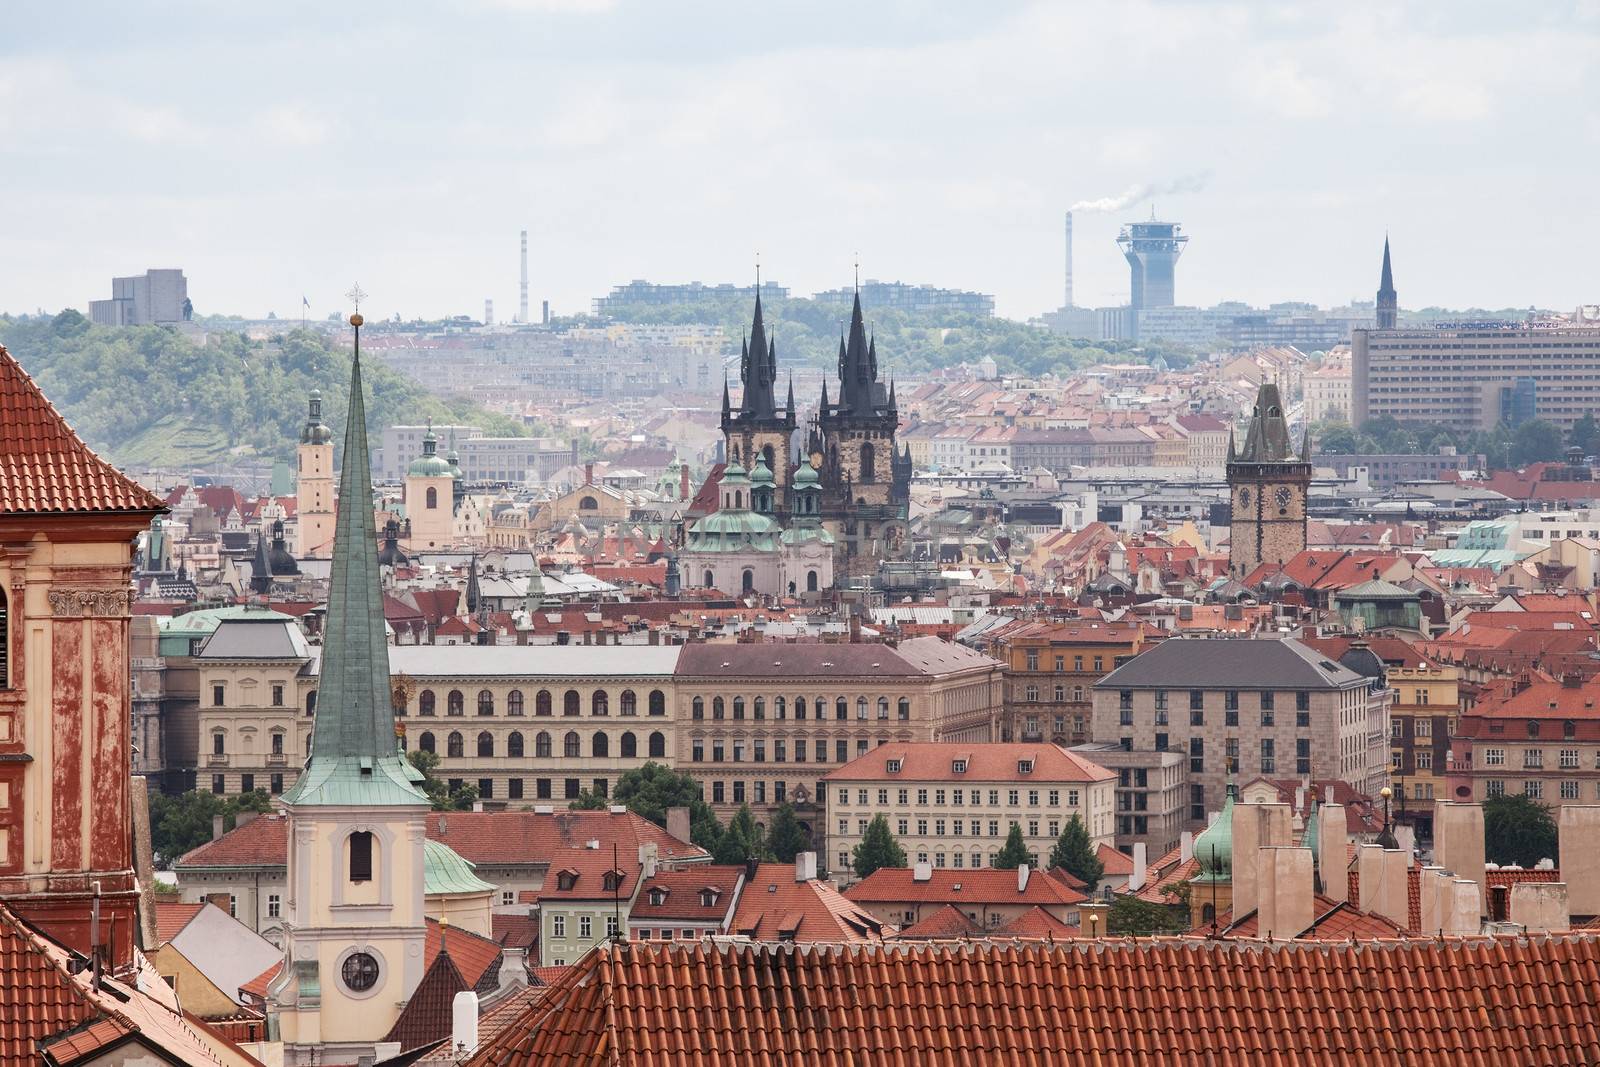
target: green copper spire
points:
(354, 758)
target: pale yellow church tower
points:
(314, 485)
(430, 498)
(355, 924)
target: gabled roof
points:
(683, 889)
(45, 468)
(475, 956)
(1036, 924)
(947, 923)
(774, 906)
(1229, 663)
(985, 885)
(172, 916)
(991, 761)
(1115, 1003)
(426, 1018)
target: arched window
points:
(709, 582)
(455, 703)
(811, 581)
(572, 703)
(779, 711)
(768, 456)
(738, 498)
(628, 746)
(311, 702)
(514, 745)
(433, 498)
(760, 707)
(425, 702)
(717, 707)
(514, 702)
(571, 745)
(868, 473)
(658, 744)
(698, 708)
(425, 742)
(841, 709)
(454, 744)
(799, 708)
(485, 702)
(361, 856)
(883, 707)
(905, 707)
(738, 707)
(629, 704)
(861, 707)
(658, 702)
(485, 743)
(600, 744)
(541, 745)
(748, 580)
(588, 503)
(541, 702)
(600, 703)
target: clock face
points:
(1283, 496)
(1244, 497)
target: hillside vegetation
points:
(148, 396)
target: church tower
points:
(314, 489)
(758, 430)
(1388, 299)
(354, 935)
(1267, 484)
(430, 498)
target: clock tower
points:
(1267, 485)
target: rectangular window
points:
(1423, 727)
(922, 827)
(572, 787)
(486, 788)
(247, 783)
(1125, 698)
(541, 788)
(1569, 758)
(1197, 699)
(780, 750)
(717, 792)
(1533, 788)
(1230, 700)
(1494, 787)
(1269, 762)
(277, 696)
(219, 784)
(1496, 757)
(1532, 757)
(1302, 701)
(1126, 717)
(841, 751)
(1267, 717)
(585, 927)
(274, 906)
(1302, 719)
(277, 784)
(903, 828)
(1569, 789)
(1267, 703)
(1013, 796)
(922, 796)
(1161, 699)
(1425, 759)
(217, 693)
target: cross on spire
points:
(355, 296)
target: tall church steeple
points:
(1388, 299)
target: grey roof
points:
(522, 661)
(820, 660)
(272, 636)
(1230, 663)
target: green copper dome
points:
(762, 475)
(733, 530)
(1214, 847)
(806, 474)
(445, 871)
(316, 431)
(430, 464)
(803, 532)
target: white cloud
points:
(294, 126)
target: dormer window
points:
(658, 897)
(708, 898)
(958, 766)
(611, 881)
(892, 766)
(566, 880)
(1024, 766)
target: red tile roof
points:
(1334, 921)
(257, 986)
(473, 954)
(774, 906)
(683, 894)
(514, 930)
(45, 467)
(947, 923)
(990, 761)
(986, 885)
(494, 1021)
(1477, 1001)
(1036, 924)
(1114, 864)
(173, 916)
(427, 1017)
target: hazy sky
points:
(273, 149)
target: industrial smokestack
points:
(488, 312)
(546, 314)
(522, 308)
(1069, 261)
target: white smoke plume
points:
(1138, 194)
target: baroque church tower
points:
(1267, 485)
(758, 430)
(314, 484)
(354, 939)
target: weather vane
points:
(355, 296)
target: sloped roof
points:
(774, 905)
(1503, 1000)
(1036, 924)
(948, 922)
(682, 887)
(172, 916)
(45, 468)
(473, 954)
(991, 761)
(426, 1018)
(1229, 663)
(985, 885)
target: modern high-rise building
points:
(156, 296)
(1152, 250)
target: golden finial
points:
(355, 296)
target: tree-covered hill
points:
(147, 395)
(909, 344)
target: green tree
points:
(653, 788)
(184, 822)
(1130, 916)
(1076, 853)
(1585, 434)
(1537, 441)
(589, 800)
(742, 841)
(878, 849)
(786, 837)
(1518, 829)
(1336, 438)
(1014, 853)
(440, 795)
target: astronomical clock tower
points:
(1267, 484)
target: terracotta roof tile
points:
(1424, 1002)
(986, 885)
(682, 888)
(991, 761)
(45, 467)
(949, 922)
(473, 954)
(1036, 924)
(426, 1018)
(173, 916)
(774, 905)
(514, 931)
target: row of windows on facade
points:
(516, 704)
(1030, 694)
(956, 860)
(1161, 717)
(558, 928)
(1569, 789)
(780, 708)
(1031, 658)
(1420, 726)
(544, 744)
(1269, 753)
(1569, 728)
(515, 788)
(959, 827)
(958, 796)
(757, 750)
(1534, 757)
(1230, 700)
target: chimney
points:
(805, 866)
(922, 872)
(1022, 877)
(522, 305)
(1069, 262)
(464, 1022)
(244, 818)
(1579, 841)
(678, 823)
(1449, 904)
(546, 313)
(1458, 844)
(219, 899)
(1285, 908)
(1255, 826)
(1541, 907)
(683, 482)
(588, 474)
(1333, 857)
(750, 865)
(216, 827)
(1140, 864)
(1186, 846)
(647, 861)
(1384, 883)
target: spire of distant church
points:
(791, 396)
(1388, 299)
(260, 568)
(354, 758)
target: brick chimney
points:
(1285, 908)
(588, 474)
(683, 482)
(1579, 840)
(1458, 844)
(678, 823)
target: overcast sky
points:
(273, 149)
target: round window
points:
(360, 971)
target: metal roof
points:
(521, 661)
(1230, 663)
(266, 635)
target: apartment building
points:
(1246, 706)
(1421, 721)
(1541, 739)
(1050, 672)
(952, 805)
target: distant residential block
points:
(156, 296)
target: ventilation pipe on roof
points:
(1136, 879)
(1186, 846)
(1022, 877)
(805, 866)
(464, 1022)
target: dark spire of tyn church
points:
(1388, 299)
(791, 395)
(354, 757)
(261, 569)
(758, 369)
(855, 367)
(1268, 438)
